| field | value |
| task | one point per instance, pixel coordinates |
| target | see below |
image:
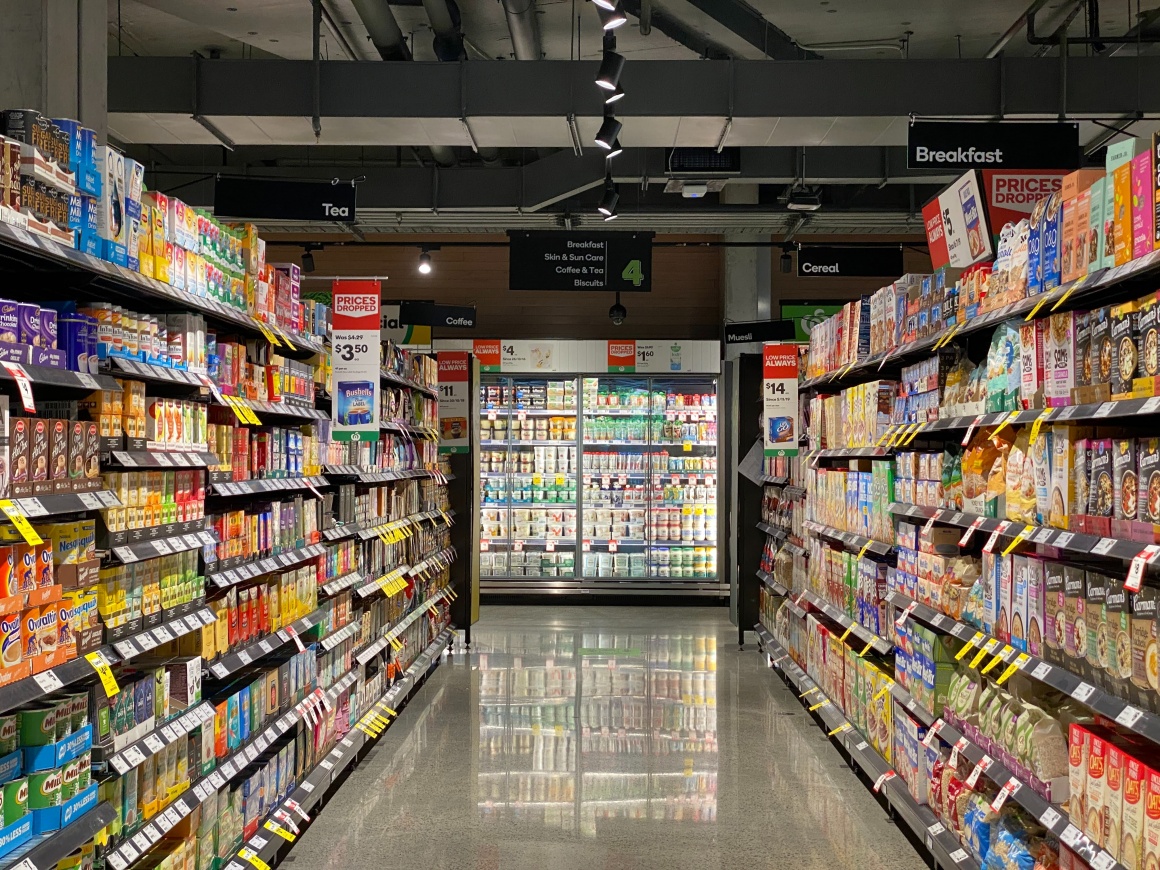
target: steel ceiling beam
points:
(675, 29)
(749, 24)
(751, 89)
(534, 187)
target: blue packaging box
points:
(55, 754)
(54, 818)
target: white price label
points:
(959, 856)
(162, 634)
(48, 681)
(89, 500)
(1083, 691)
(119, 764)
(935, 829)
(169, 733)
(154, 743)
(1103, 861)
(1041, 670)
(218, 669)
(1049, 818)
(125, 554)
(1129, 716)
(1105, 546)
(1062, 539)
(245, 657)
(1150, 406)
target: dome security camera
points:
(617, 313)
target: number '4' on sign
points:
(633, 273)
(776, 387)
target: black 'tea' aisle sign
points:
(270, 199)
(545, 260)
(992, 145)
(835, 261)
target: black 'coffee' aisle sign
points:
(545, 260)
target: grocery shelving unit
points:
(368, 669)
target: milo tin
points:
(85, 777)
(78, 710)
(15, 800)
(69, 779)
(44, 789)
(9, 733)
(38, 724)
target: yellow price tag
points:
(268, 334)
(847, 369)
(239, 410)
(1007, 672)
(101, 666)
(687, 446)
(974, 641)
(389, 710)
(1010, 418)
(888, 433)
(845, 726)
(819, 705)
(1043, 300)
(559, 729)
(878, 695)
(1038, 424)
(17, 518)
(286, 340)
(279, 830)
(808, 692)
(1019, 538)
(382, 721)
(862, 552)
(995, 661)
(1076, 286)
(865, 649)
(249, 412)
(248, 854)
(846, 634)
(897, 437)
(978, 658)
(917, 428)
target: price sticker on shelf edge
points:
(971, 430)
(355, 355)
(20, 521)
(1009, 788)
(23, 384)
(989, 547)
(970, 532)
(982, 767)
(932, 732)
(1023, 535)
(779, 391)
(909, 609)
(969, 645)
(1139, 563)
(882, 780)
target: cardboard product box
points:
(1144, 611)
(1018, 611)
(1082, 241)
(112, 220)
(1069, 228)
(1006, 591)
(1035, 248)
(1060, 374)
(1143, 204)
(1095, 237)
(1095, 612)
(1095, 786)
(1122, 213)
(1118, 619)
(1108, 252)
(1112, 823)
(1123, 331)
(1075, 618)
(1051, 254)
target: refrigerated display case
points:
(606, 483)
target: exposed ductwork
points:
(384, 30)
(446, 25)
(524, 28)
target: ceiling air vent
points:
(702, 162)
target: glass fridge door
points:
(495, 495)
(616, 477)
(537, 486)
(684, 523)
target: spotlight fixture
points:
(614, 96)
(610, 19)
(608, 132)
(786, 261)
(424, 263)
(307, 262)
(611, 217)
(610, 5)
(804, 199)
(615, 150)
(610, 69)
(611, 197)
(617, 313)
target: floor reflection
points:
(581, 730)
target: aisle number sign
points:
(779, 423)
(454, 397)
(356, 359)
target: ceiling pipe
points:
(386, 36)
(1060, 34)
(446, 23)
(1015, 27)
(645, 17)
(524, 29)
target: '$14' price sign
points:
(780, 416)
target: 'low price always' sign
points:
(779, 424)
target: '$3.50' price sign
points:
(356, 361)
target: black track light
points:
(614, 96)
(307, 262)
(610, 69)
(424, 263)
(611, 197)
(786, 262)
(610, 5)
(615, 150)
(608, 132)
(617, 313)
(610, 19)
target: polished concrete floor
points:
(590, 738)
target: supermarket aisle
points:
(539, 756)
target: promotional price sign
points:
(779, 391)
(621, 356)
(957, 231)
(356, 359)
(454, 379)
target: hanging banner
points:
(621, 357)
(1011, 194)
(392, 328)
(356, 358)
(780, 393)
(838, 261)
(547, 260)
(957, 233)
(454, 383)
(488, 353)
(993, 145)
